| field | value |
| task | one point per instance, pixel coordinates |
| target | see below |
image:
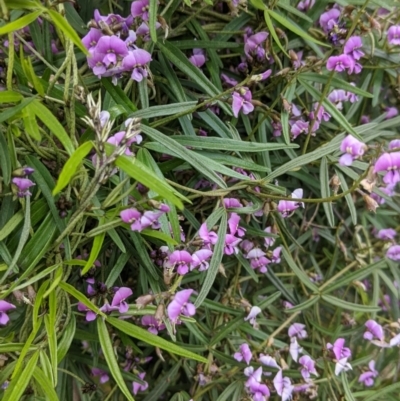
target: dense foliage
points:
(198, 200)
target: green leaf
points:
(151, 339)
(283, 4)
(10, 97)
(229, 144)
(138, 171)
(159, 235)
(52, 341)
(95, 251)
(5, 162)
(164, 110)
(331, 109)
(153, 8)
(108, 352)
(12, 111)
(226, 330)
(269, 300)
(350, 306)
(183, 153)
(300, 274)
(66, 340)
(118, 95)
(18, 384)
(70, 167)
(204, 44)
(348, 197)
(287, 23)
(62, 24)
(334, 81)
(215, 262)
(20, 22)
(117, 269)
(45, 384)
(326, 191)
(52, 123)
(80, 297)
(272, 31)
(22, 240)
(30, 123)
(347, 391)
(304, 305)
(175, 56)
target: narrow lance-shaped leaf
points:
(108, 352)
(325, 191)
(62, 24)
(71, 166)
(151, 339)
(20, 23)
(214, 262)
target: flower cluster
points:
(111, 42)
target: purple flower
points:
(268, 241)
(387, 234)
(337, 96)
(233, 223)
(338, 349)
(395, 144)
(208, 237)
(391, 112)
(154, 326)
(308, 367)
(90, 315)
(181, 260)
(132, 217)
(251, 317)
(136, 61)
(351, 47)
(268, 361)
(140, 8)
(261, 77)
(181, 305)
(295, 349)
(305, 5)
(342, 365)
(321, 115)
(118, 301)
(297, 330)
(367, 378)
(395, 340)
(243, 354)
(130, 40)
(4, 308)
(276, 255)
(329, 19)
(228, 80)
(198, 58)
(353, 149)
(252, 45)
(286, 207)
(23, 185)
(258, 260)
(199, 259)
(150, 219)
(393, 253)
(111, 47)
(373, 330)
(231, 244)
(389, 162)
(339, 63)
(242, 101)
(283, 386)
(393, 35)
(136, 387)
(95, 62)
(298, 127)
(91, 38)
(104, 378)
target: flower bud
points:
(369, 181)
(144, 300)
(160, 313)
(335, 183)
(371, 203)
(31, 293)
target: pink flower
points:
(351, 47)
(283, 386)
(4, 308)
(132, 216)
(393, 253)
(393, 35)
(373, 330)
(242, 101)
(181, 305)
(251, 317)
(338, 349)
(90, 315)
(118, 300)
(181, 260)
(286, 207)
(389, 162)
(154, 326)
(104, 378)
(136, 387)
(308, 367)
(329, 19)
(387, 234)
(243, 354)
(339, 63)
(23, 185)
(297, 330)
(199, 259)
(295, 349)
(198, 58)
(208, 237)
(353, 149)
(258, 260)
(367, 378)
